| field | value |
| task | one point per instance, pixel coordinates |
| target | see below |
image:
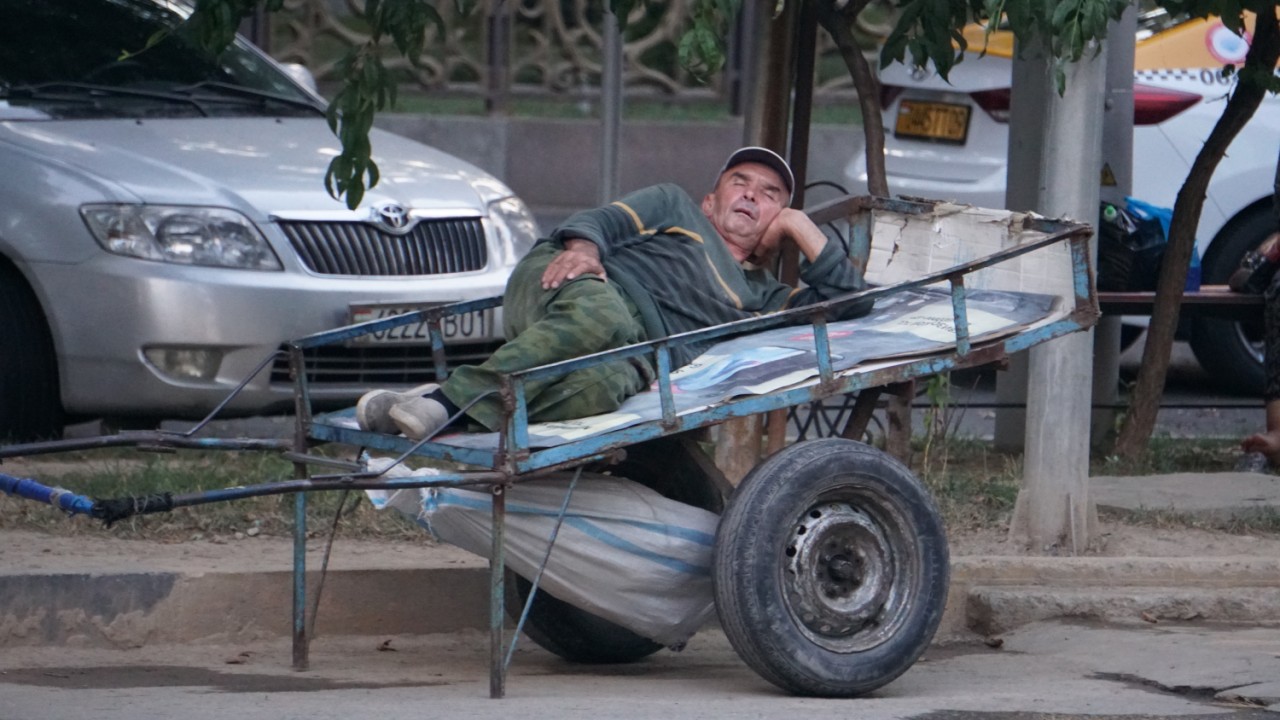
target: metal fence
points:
(539, 48)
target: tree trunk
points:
(1261, 59)
(837, 23)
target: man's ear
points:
(707, 200)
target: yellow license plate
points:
(939, 122)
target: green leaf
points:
(1061, 13)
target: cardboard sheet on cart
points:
(1018, 294)
(905, 326)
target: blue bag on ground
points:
(1147, 212)
(623, 552)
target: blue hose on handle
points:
(62, 499)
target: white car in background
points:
(164, 228)
(949, 140)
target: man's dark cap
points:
(765, 157)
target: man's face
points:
(747, 197)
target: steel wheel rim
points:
(1250, 337)
(848, 562)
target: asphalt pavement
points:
(1055, 669)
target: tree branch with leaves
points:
(1255, 79)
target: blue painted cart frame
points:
(515, 459)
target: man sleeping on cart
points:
(650, 265)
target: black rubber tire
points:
(577, 635)
(30, 401)
(571, 632)
(816, 538)
(1230, 351)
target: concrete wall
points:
(555, 164)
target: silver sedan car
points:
(164, 228)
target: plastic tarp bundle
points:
(623, 552)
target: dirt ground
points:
(1116, 539)
(24, 551)
(80, 545)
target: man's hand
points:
(580, 257)
(794, 224)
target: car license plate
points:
(467, 327)
(939, 122)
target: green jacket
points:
(665, 255)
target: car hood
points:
(271, 165)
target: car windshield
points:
(121, 58)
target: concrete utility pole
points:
(1031, 97)
(1117, 182)
(1054, 512)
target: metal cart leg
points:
(497, 595)
(898, 436)
(300, 640)
(302, 415)
(855, 428)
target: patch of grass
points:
(121, 473)
(974, 485)
(1171, 455)
(1251, 522)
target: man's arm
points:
(794, 224)
(580, 257)
(828, 272)
(591, 235)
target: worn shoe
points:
(419, 417)
(374, 407)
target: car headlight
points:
(214, 237)
(517, 230)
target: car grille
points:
(432, 247)
(335, 365)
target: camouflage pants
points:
(583, 316)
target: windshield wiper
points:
(89, 93)
(244, 94)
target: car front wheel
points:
(30, 407)
(1231, 351)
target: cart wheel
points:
(577, 635)
(571, 632)
(831, 569)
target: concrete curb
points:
(134, 609)
(989, 595)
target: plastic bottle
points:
(1109, 212)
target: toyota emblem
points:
(393, 217)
